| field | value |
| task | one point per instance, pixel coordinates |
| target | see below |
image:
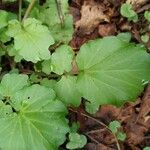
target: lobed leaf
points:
(61, 59)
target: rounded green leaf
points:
(147, 15)
(113, 126)
(76, 141)
(5, 17)
(12, 83)
(61, 59)
(46, 66)
(112, 71)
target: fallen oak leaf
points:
(91, 15)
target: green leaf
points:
(128, 12)
(46, 66)
(5, 17)
(34, 78)
(146, 148)
(13, 52)
(75, 127)
(113, 126)
(147, 15)
(49, 16)
(63, 34)
(110, 71)
(9, 1)
(39, 121)
(121, 136)
(91, 108)
(3, 36)
(145, 38)
(76, 141)
(31, 39)
(61, 59)
(125, 36)
(5, 110)
(67, 92)
(11, 83)
(48, 83)
(49, 13)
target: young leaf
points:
(121, 136)
(128, 12)
(112, 73)
(63, 34)
(11, 83)
(5, 17)
(38, 123)
(61, 59)
(91, 108)
(66, 90)
(31, 39)
(49, 15)
(147, 15)
(145, 38)
(146, 148)
(3, 36)
(125, 36)
(5, 110)
(76, 141)
(48, 83)
(46, 66)
(113, 126)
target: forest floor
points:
(100, 18)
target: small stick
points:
(29, 10)
(20, 10)
(60, 13)
(101, 123)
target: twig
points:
(60, 13)
(20, 10)
(29, 9)
(101, 123)
(92, 139)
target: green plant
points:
(128, 12)
(114, 126)
(147, 15)
(146, 148)
(76, 141)
(145, 38)
(33, 107)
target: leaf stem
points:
(20, 10)
(60, 13)
(29, 9)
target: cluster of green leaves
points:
(110, 71)
(114, 126)
(128, 12)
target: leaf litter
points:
(92, 19)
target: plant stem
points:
(60, 13)
(29, 9)
(20, 10)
